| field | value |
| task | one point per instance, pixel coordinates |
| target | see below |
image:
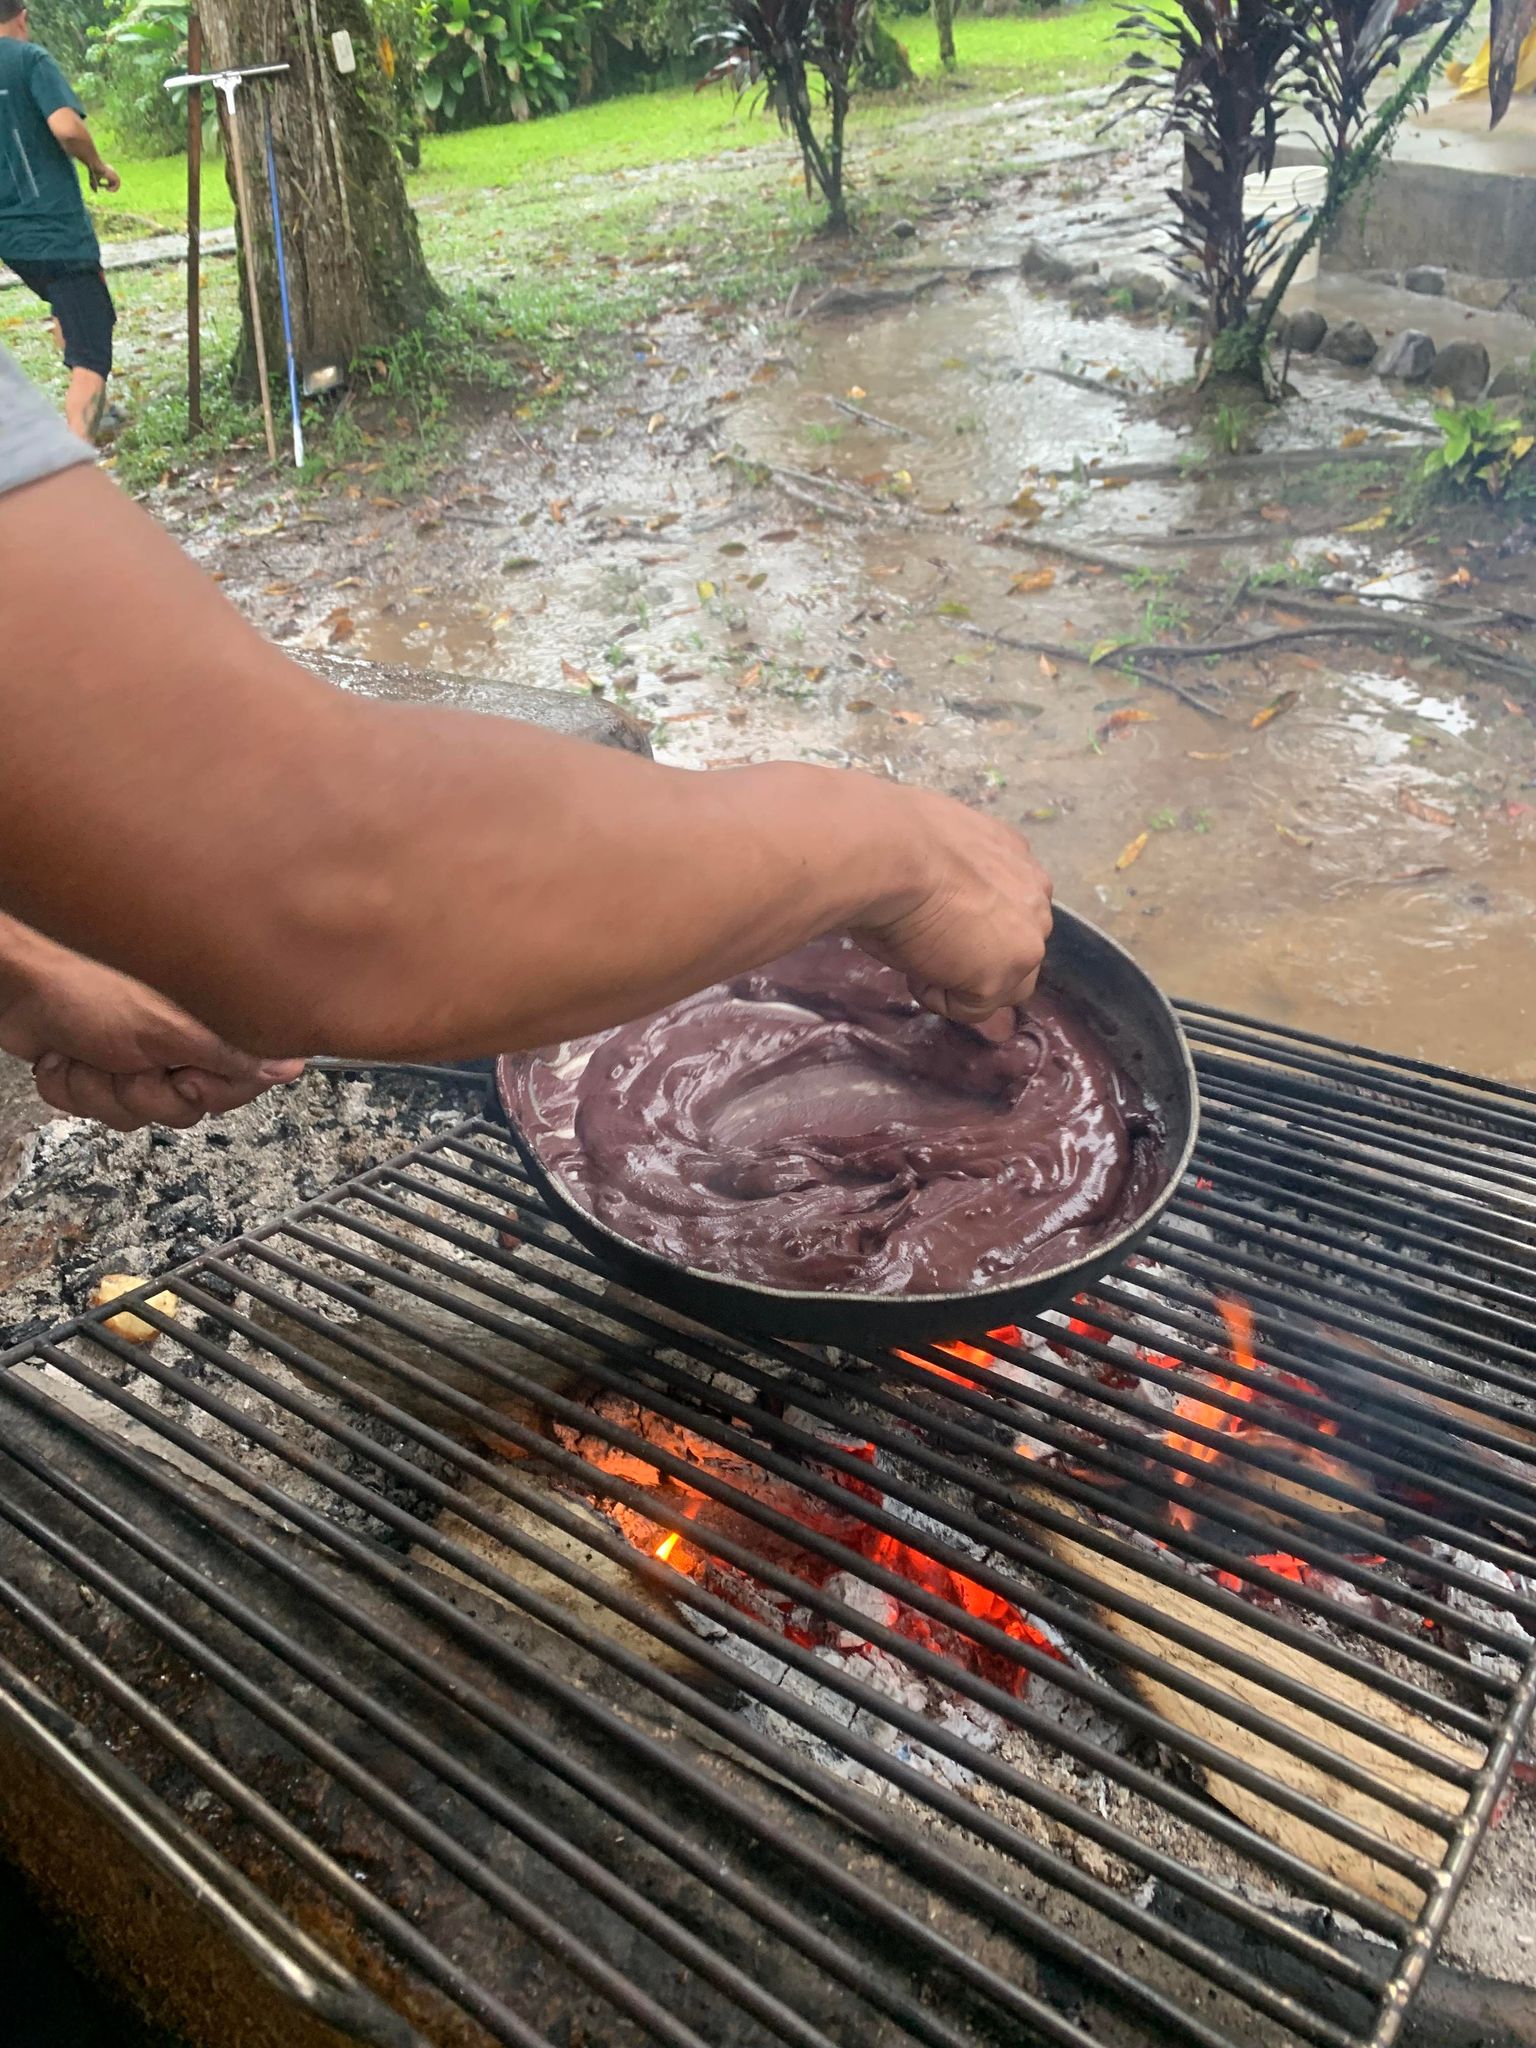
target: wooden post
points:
(194, 230)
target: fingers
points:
(177, 1097)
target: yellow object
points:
(131, 1328)
(1471, 80)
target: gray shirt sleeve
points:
(34, 441)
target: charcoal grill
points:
(331, 1601)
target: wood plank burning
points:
(1229, 1637)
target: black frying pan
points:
(1139, 1026)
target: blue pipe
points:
(282, 289)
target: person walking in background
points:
(46, 234)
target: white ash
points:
(87, 1201)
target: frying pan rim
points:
(556, 1189)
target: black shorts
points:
(83, 307)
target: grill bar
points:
(339, 1376)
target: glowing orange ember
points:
(666, 1546)
(968, 1354)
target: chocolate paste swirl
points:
(808, 1126)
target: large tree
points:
(357, 279)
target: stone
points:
(1304, 333)
(1428, 278)
(1142, 288)
(1524, 302)
(1045, 265)
(1409, 356)
(1515, 380)
(574, 713)
(903, 230)
(1351, 342)
(1462, 369)
(1487, 294)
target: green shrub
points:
(1479, 449)
(143, 43)
(505, 60)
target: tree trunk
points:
(357, 279)
(944, 20)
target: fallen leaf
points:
(900, 484)
(1112, 483)
(342, 626)
(659, 521)
(1102, 650)
(1277, 515)
(1458, 579)
(682, 717)
(573, 674)
(558, 507)
(1514, 709)
(1355, 438)
(1030, 580)
(1374, 524)
(756, 582)
(1428, 814)
(780, 533)
(1296, 838)
(953, 608)
(883, 662)
(1133, 852)
(860, 704)
(1425, 874)
(765, 373)
(1194, 754)
(1026, 506)
(1042, 814)
(706, 591)
(1283, 703)
(750, 676)
(733, 547)
(277, 590)
(857, 391)
(1521, 446)
(1128, 715)
(1048, 668)
(814, 675)
(909, 718)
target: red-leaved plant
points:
(786, 46)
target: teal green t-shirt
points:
(43, 218)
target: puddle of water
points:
(1303, 870)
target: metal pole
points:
(194, 230)
(243, 203)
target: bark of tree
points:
(944, 20)
(357, 279)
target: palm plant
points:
(785, 45)
(1219, 71)
(1224, 74)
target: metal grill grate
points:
(1009, 1702)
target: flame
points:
(1238, 1318)
(666, 1546)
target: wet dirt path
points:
(760, 572)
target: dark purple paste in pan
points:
(808, 1126)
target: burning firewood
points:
(583, 1607)
(1228, 1637)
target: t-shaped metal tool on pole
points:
(228, 83)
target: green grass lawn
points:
(1041, 53)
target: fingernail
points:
(50, 1063)
(279, 1070)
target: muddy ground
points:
(846, 534)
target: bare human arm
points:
(73, 135)
(306, 870)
